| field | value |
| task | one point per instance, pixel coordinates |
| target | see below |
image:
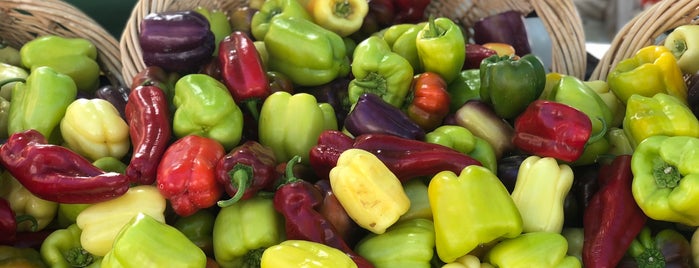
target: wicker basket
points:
(560, 18)
(647, 28)
(24, 20)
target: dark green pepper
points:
(466, 86)
(509, 84)
(199, 228)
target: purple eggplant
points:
(177, 41)
(116, 95)
(371, 114)
(506, 27)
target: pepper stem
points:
(78, 257)
(679, 47)
(253, 257)
(289, 171)
(27, 217)
(433, 30)
(666, 175)
(12, 80)
(372, 83)
(644, 251)
(599, 134)
(240, 176)
(343, 9)
(252, 107)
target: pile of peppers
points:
(346, 134)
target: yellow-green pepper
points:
(401, 39)
(462, 140)
(307, 254)
(62, 249)
(416, 190)
(615, 105)
(406, 244)
(23, 202)
(441, 48)
(271, 9)
(9, 76)
(661, 114)
(536, 249)
(683, 41)
(94, 129)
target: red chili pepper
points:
(187, 174)
(553, 129)
(246, 170)
(149, 128)
(242, 71)
(8, 223)
(298, 201)
(430, 101)
(56, 173)
(612, 219)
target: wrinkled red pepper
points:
(149, 128)
(56, 173)
(612, 219)
(9, 221)
(298, 201)
(323, 156)
(553, 129)
(430, 100)
(187, 174)
(246, 170)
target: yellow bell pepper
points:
(661, 114)
(370, 193)
(94, 129)
(307, 254)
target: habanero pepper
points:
(429, 101)
(246, 170)
(55, 173)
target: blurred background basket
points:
(647, 28)
(24, 20)
(560, 18)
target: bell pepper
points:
(416, 190)
(619, 143)
(177, 41)
(612, 218)
(378, 70)
(343, 17)
(540, 191)
(682, 42)
(508, 169)
(261, 21)
(553, 129)
(9, 221)
(101, 222)
(334, 93)
(510, 84)
(487, 212)
(406, 244)
(146, 241)
(62, 249)
(467, 261)
(13, 257)
(301, 253)
(465, 87)
(462, 140)
(652, 70)
(290, 124)
(116, 95)
(428, 101)
(243, 230)
(218, 24)
(616, 107)
(206, 108)
(94, 129)
(372, 195)
(372, 114)
(401, 39)
(661, 114)
(9, 54)
(575, 93)
(187, 174)
(245, 170)
(695, 247)
(62, 176)
(291, 41)
(505, 27)
(9, 76)
(337, 215)
(440, 47)
(665, 248)
(74, 57)
(576, 238)
(663, 178)
(148, 117)
(199, 228)
(535, 249)
(41, 102)
(25, 204)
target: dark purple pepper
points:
(116, 95)
(334, 93)
(373, 115)
(508, 169)
(506, 27)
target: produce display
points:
(317, 133)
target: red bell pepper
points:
(430, 100)
(187, 176)
(242, 71)
(246, 170)
(56, 173)
(612, 219)
(8, 223)
(553, 129)
(148, 116)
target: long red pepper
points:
(246, 170)
(612, 219)
(56, 173)
(148, 116)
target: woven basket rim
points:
(23, 20)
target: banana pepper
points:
(665, 178)
(94, 128)
(661, 114)
(23, 202)
(406, 244)
(535, 249)
(62, 249)
(652, 70)
(486, 212)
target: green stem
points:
(343, 9)
(253, 257)
(27, 217)
(599, 134)
(78, 257)
(252, 107)
(644, 251)
(433, 30)
(666, 175)
(679, 47)
(240, 176)
(289, 171)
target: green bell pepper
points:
(619, 143)
(661, 114)
(441, 48)
(307, 53)
(41, 102)
(380, 71)
(416, 190)
(401, 39)
(9, 76)
(205, 107)
(291, 124)
(74, 57)
(510, 84)
(199, 228)
(462, 140)
(465, 87)
(405, 244)
(244, 230)
(147, 242)
(615, 105)
(536, 249)
(272, 9)
(111, 164)
(666, 179)
(219, 24)
(62, 249)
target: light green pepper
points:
(462, 140)
(405, 244)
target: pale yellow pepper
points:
(94, 129)
(307, 254)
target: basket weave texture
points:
(646, 28)
(24, 20)
(560, 17)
